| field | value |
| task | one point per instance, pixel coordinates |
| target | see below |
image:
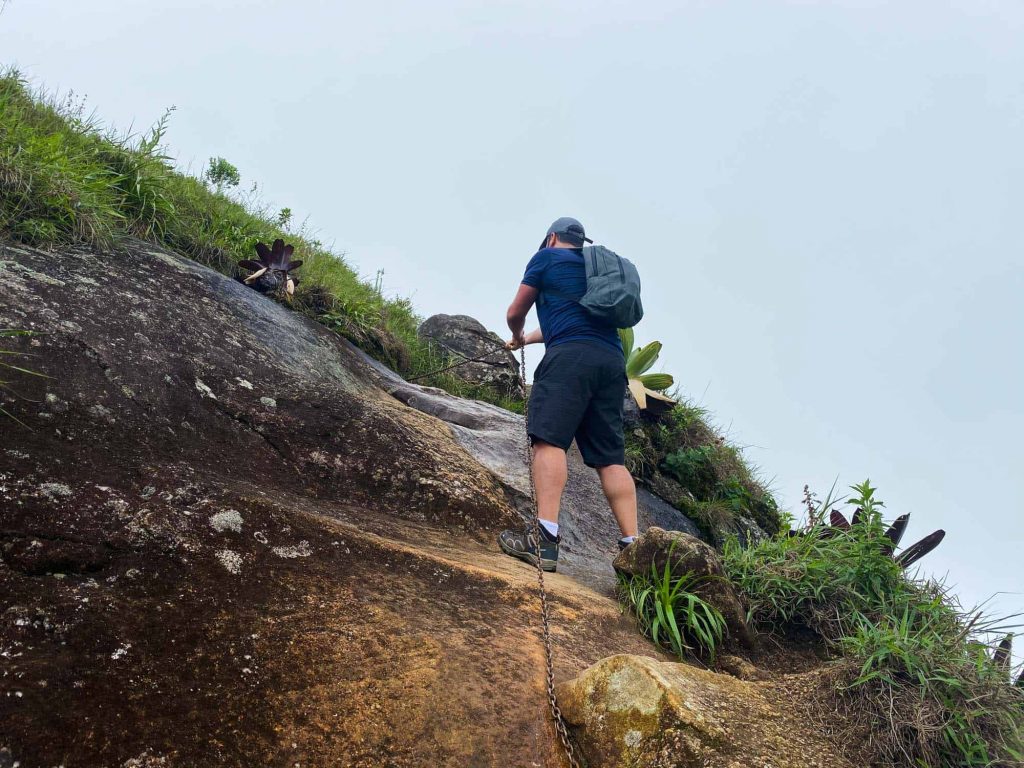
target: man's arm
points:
(517, 311)
(533, 337)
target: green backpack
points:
(613, 288)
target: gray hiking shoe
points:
(523, 544)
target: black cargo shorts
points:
(578, 392)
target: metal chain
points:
(449, 367)
(477, 359)
(556, 713)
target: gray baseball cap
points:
(568, 229)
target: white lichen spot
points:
(227, 520)
(243, 383)
(269, 402)
(101, 412)
(302, 549)
(204, 391)
(633, 738)
(261, 537)
(145, 760)
(230, 560)
(120, 506)
(54, 491)
(121, 651)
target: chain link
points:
(556, 713)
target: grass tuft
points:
(671, 614)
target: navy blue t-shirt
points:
(561, 319)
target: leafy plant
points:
(671, 613)
(644, 385)
(694, 468)
(220, 173)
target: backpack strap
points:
(566, 297)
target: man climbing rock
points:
(578, 392)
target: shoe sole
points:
(549, 566)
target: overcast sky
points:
(824, 200)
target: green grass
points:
(916, 671)
(671, 613)
(12, 366)
(720, 483)
(64, 179)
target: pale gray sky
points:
(823, 199)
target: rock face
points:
(686, 554)
(496, 438)
(228, 538)
(637, 712)
(468, 338)
(224, 542)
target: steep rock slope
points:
(228, 540)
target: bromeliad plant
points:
(272, 273)
(644, 385)
(868, 512)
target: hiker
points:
(578, 390)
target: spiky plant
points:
(272, 272)
(868, 510)
(893, 535)
(639, 360)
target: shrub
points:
(913, 660)
(721, 485)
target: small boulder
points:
(688, 554)
(467, 338)
(628, 711)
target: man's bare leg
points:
(550, 472)
(620, 490)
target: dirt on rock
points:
(224, 543)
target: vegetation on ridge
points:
(915, 673)
(687, 462)
(64, 180)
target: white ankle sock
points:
(550, 527)
(628, 539)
